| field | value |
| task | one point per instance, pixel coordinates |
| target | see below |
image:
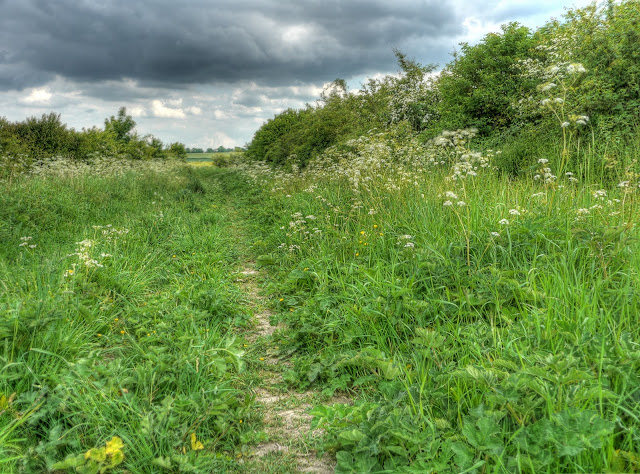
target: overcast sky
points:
(210, 72)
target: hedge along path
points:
(286, 421)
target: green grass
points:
(463, 350)
(210, 156)
(139, 344)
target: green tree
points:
(481, 85)
(121, 126)
(177, 150)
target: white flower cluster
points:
(599, 194)
(26, 242)
(111, 233)
(544, 173)
(100, 166)
(406, 241)
(83, 252)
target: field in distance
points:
(210, 156)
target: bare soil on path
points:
(285, 413)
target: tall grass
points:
(118, 311)
(483, 324)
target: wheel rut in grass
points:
(285, 413)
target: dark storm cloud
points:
(167, 43)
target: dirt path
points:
(290, 441)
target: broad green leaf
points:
(354, 435)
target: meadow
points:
(481, 323)
(436, 273)
(478, 324)
(220, 159)
(119, 322)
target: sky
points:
(208, 73)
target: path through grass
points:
(125, 339)
(499, 334)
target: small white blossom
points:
(503, 222)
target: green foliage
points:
(607, 43)
(295, 138)
(478, 88)
(96, 460)
(117, 320)
(121, 126)
(479, 322)
(45, 136)
(22, 144)
(177, 150)
(498, 86)
(269, 142)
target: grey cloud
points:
(162, 44)
(250, 99)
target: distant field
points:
(209, 156)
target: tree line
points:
(574, 81)
(220, 149)
(47, 137)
